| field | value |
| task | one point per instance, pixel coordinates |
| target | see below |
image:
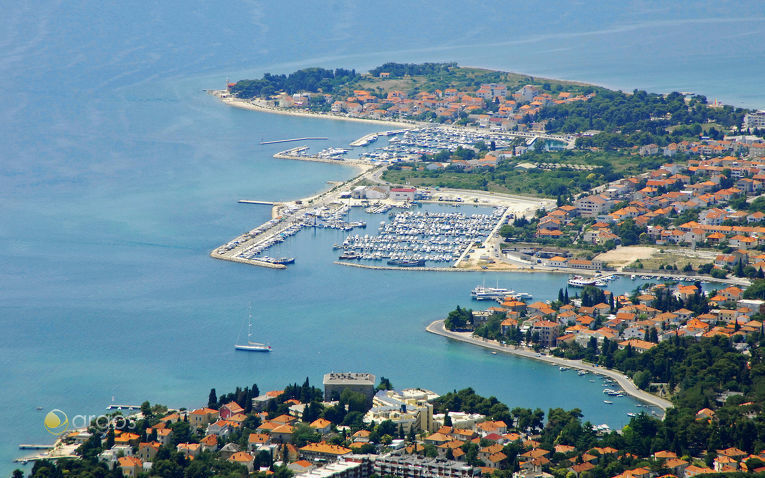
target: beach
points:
(437, 327)
(249, 105)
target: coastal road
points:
(437, 327)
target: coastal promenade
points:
(437, 327)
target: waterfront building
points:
(402, 194)
(337, 382)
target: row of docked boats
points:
(415, 236)
(430, 140)
(668, 278)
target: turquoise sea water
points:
(118, 176)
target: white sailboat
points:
(251, 346)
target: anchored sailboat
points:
(251, 346)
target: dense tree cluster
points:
(638, 118)
(309, 80)
(397, 70)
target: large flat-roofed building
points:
(754, 120)
(336, 382)
(409, 466)
(351, 466)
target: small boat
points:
(608, 402)
(582, 372)
(494, 353)
(251, 346)
(563, 369)
(284, 260)
(631, 414)
(350, 255)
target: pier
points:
(294, 139)
(398, 268)
(252, 201)
(288, 218)
(299, 155)
(27, 446)
(365, 140)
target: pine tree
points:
(212, 400)
(565, 295)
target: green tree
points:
(212, 400)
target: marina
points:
(411, 144)
(415, 238)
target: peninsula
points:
(641, 182)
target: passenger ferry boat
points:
(580, 281)
(490, 293)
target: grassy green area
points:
(507, 177)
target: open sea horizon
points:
(118, 175)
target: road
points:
(437, 327)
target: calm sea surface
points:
(118, 175)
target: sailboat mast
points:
(249, 323)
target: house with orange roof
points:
(163, 434)
(731, 293)
(148, 450)
(282, 433)
(127, 438)
(243, 458)
(323, 451)
(209, 443)
(321, 425)
(581, 468)
(489, 426)
(130, 466)
(229, 409)
(494, 461)
(637, 345)
(202, 417)
(693, 470)
(189, 449)
(301, 466)
(256, 440)
(547, 330)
